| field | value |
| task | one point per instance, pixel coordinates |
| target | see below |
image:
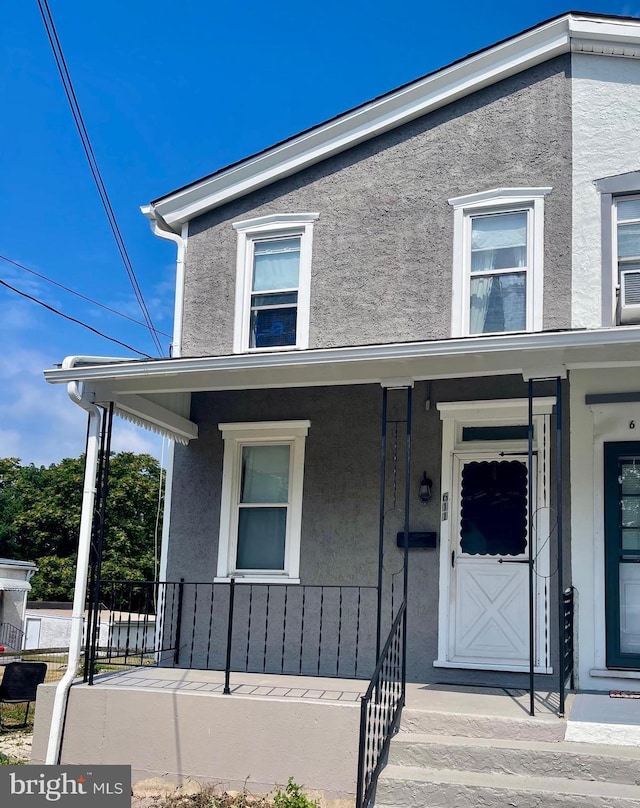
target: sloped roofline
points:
(573, 31)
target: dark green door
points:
(622, 553)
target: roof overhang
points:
(577, 32)
(148, 387)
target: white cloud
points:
(128, 438)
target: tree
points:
(40, 518)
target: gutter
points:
(162, 230)
(76, 394)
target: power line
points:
(77, 294)
(76, 112)
(73, 319)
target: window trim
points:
(280, 225)
(235, 437)
(497, 200)
(610, 189)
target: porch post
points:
(407, 492)
(383, 476)
(561, 621)
(98, 539)
(531, 557)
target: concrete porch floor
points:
(468, 700)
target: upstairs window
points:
(498, 261)
(273, 279)
(627, 211)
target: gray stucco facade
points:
(339, 540)
(383, 243)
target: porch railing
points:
(568, 635)
(11, 636)
(311, 630)
(380, 710)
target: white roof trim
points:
(604, 35)
(518, 344)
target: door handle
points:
(453, 559)
(513, 561)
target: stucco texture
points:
(383, 244)
(606, 142)
(339, 542)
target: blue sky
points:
(171, 92)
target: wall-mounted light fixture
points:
(424, 492)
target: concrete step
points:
(576, 761)
(468, 725)
(414, 787)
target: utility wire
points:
(78, 294)
(73, 319)
(76, 112)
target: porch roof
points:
(155, 393)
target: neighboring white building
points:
(14, 588)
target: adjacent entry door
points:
(622, 553)
(489, 592)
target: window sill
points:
(614, 674)
(256, 579)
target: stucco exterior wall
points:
(606, 142)
(227, 741)
(341, 488)
(383, 245)
(591, 427)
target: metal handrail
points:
(388, 697)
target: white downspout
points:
(76, 394)
(161, 229)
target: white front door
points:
(489, 583)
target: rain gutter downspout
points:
(76, 394)
(161, 229)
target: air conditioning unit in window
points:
(629, 296)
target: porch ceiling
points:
(156, 393)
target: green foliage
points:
(40, 519)
(292, 797)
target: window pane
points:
(630, 608)
(274, 300)
(630, 477)
(628, 209)
(630, 539)
(261, 538)
(630, 511)
(495, 432)
(493, 517)
(628, 240)
(265, 473)
(271, 327)
(498, 303)
(498, 242)
(276, 264)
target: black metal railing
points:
(568, 634)
(380, 709)
(11, 636)
(237, 627)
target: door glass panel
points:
(630, 478)
(494, 508)
(630, 608)
(630, 539)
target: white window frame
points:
(281, 225)
(497, 200)
(616, 268)
(266, 433)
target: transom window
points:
(261, 505)
(273, 280)
(498, 261)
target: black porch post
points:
(531, 557)
(561, 627)
(383, 476)
(407, 492)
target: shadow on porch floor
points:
(457, 699)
